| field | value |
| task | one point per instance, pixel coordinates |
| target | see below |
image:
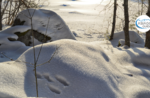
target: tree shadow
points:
(140, 61)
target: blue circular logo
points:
(142, 23)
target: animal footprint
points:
(53, 85)
(39, 75)
(47, 78)
(54, 89)
(62, 80)
(130, 75)
(1, 56)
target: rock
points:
(25, 37)
(18, 22)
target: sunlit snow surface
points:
(89, 67)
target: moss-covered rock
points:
(25, 37)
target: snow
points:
(81, 69)
(12, 49)
(88, 67)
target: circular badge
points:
(143, 23)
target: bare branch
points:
(6, 56)
(56, 50)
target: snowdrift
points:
(80, 70)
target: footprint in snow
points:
(38, 75)
(131, 75)
(54, 89)
(47, 77)
(62, 80)
(50, 81)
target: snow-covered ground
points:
(83, 17)
(87, 66)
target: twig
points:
(24, 62)
(35, 61)
(56, 50)
(16, 60)
(6, 56)
(43, 39)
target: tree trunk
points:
(0, 15)
(142, 7)
(126, 28)
(147, 41)
(114, 20)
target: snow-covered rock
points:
(46, 22)
(135, 39)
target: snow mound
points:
(135, 39)
(9, 44)
(46, 22)
(87, 70)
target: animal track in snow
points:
(47, 78)
(52, 84)
(1, 56)
(54, 89)
(39, 75)
(62, 80)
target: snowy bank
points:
(79, 70)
